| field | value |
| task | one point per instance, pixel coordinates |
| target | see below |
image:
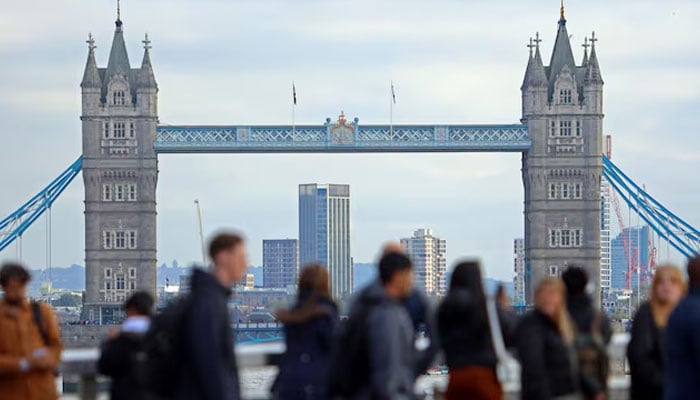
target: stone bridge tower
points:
(562, 105)
(120, 172)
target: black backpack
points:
(349, 369)
(592, 355)
(163, 347)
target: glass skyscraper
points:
(324, 232)
(631, 246)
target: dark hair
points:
(390, 264)
(10, 271)
(467, 277)
(575, 279)
(313, 279)
(223, 242)
(694, 272)
(140, 302)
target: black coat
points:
(463, 329)
(119, 361)
(547, 362)
(645, 353)
(304, 365)
(583, 313)
(210, 371)
(682, 349)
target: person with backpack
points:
(374, 356)
(465, 337)
(205, 351)
(592, 333)
(309, 328)
(545, 338)
(30, 342)
(121, 356)
(645, 350)
(682, 352)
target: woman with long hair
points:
(465, 337)
(309, 328)
(646, 347)
(545, 346)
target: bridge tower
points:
(562, 105)
(120, 172)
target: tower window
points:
(106, 192)
(120, 240)
(552, 191)
(108, 285)
(108, 272)
(577, 238)
(119, 131)
(132, 272)
(132, 239)
(565, 238)
(565, 191)
(578, 128)
(577, 191)
(119, 98)
(565, 96)
(132, 192)
(119, 193)
(132, 130)
(105, 130)
(553, 270)
(120, 282)
(107, 244)
(553, 128)
(552, 238)
(565, 128)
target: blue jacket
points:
(304, 365)
(210, 371)
(683, 349)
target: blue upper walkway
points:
(341, 137)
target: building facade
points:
(630, 247)
(120, 173)
(280, 263)
(429, 261)
(605, 239)
(324, 233)
(519, 271)
(562, 106)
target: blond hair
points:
(661, 311)
(561, 320)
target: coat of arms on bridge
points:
(342, 132)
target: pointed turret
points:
(146, 76)
(118, 58)
(91, 76)
(585, 46)
(535, 74)
(593, 75)
(562, 54)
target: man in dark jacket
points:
(683, 342)
(119, 357)
(390, 332)
(210, 371)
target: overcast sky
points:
(232, 62)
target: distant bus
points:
(261, 318)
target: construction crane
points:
(629, 258)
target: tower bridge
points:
(560, 137)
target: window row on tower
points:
(119, 192)
(565, 238)
(565, 191)
(565, 128)
(119, 239)
(119, 130)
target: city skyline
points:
(654, 147)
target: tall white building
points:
(429, 263)
(519, 271)
(605, 249)
(324, 233)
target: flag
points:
(393, 93)
(294, 93)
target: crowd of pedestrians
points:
(390, 335)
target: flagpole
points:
(391, 110)
(294, 109)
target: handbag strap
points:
(495, 328)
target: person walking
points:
(374, 356)
(120, 356)
(209, 368)
(30, 342)
(645, 350)
(682, 343)
(309, 328)
(545, 339)
(465, 337)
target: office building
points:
(280, 263)
(631, 247)
(429, 263)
